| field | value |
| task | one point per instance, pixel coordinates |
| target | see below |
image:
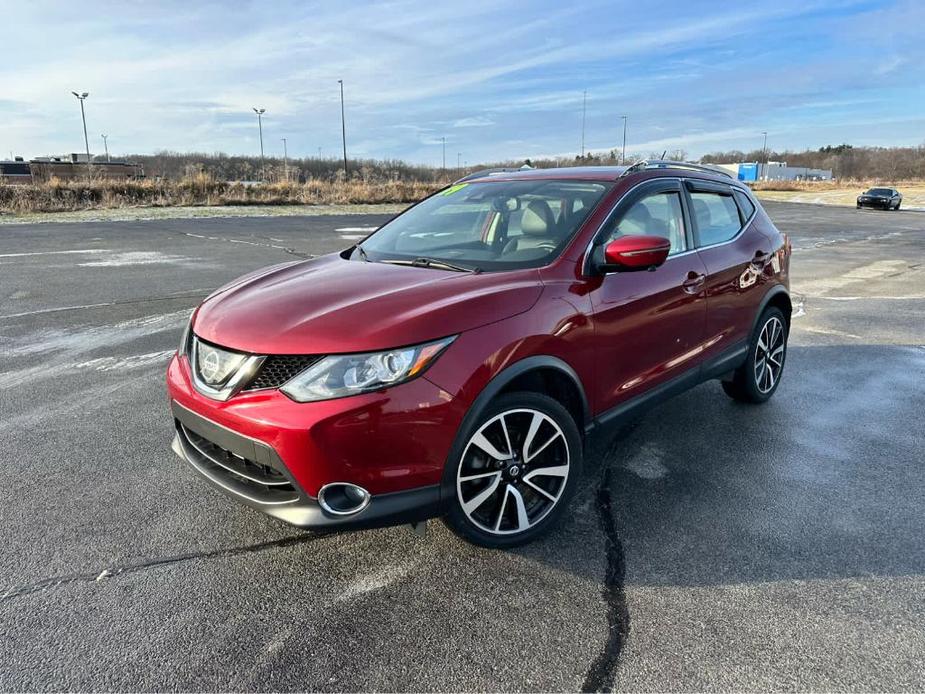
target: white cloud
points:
(473, 122)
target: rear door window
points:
(716, 217)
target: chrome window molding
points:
(241, 377)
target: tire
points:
(859, 205)
(758, 378)
(897, 205)
(508, 501)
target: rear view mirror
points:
(505, 204)
(635, 253)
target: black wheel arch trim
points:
(772, 293)
(494, 387)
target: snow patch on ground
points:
(73, 252)
(94, 337)
(136, 258)
(373, 582)
(133, 361)
(647, 463)
(57, 369)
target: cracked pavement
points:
(713, 546)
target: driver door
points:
(648, 324)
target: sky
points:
(498, 80)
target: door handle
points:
(761, 259)
(694, 282)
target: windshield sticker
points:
(453, 189)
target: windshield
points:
(879, 191)
(498, 225)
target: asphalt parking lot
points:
(713, 546)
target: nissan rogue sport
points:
(455, 362)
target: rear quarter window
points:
(746, 206)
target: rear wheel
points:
(517, 473)
(757, 379)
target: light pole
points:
(458, 155)
(764, 149)
(584, 108)
(285, 162)
(343, 125)
(443, 140)
(83, 117)
(106, 146)
(260, 112)
(623, 155)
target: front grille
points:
(248, 478)
(277, 369)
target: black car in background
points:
(883, 198)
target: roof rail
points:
(664, 164)
(482, 173)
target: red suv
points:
(455, 362)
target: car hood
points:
(330, 305)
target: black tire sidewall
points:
(456, 518)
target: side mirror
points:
(629, 253)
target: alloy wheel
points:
(769, 354)
(513, 472)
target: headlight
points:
(341, 375)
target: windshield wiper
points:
(436, 264)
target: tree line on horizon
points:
(846, 162)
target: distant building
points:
(75, 167)
(775, 171)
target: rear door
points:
(647, 324)
(735, 253)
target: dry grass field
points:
(836, 192)
(202, 192)
(57, 196)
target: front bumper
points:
(274, 454)
(875, 202)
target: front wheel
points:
(757, 379)
(517, 472)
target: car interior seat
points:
(539, 229)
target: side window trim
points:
(699, 186)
